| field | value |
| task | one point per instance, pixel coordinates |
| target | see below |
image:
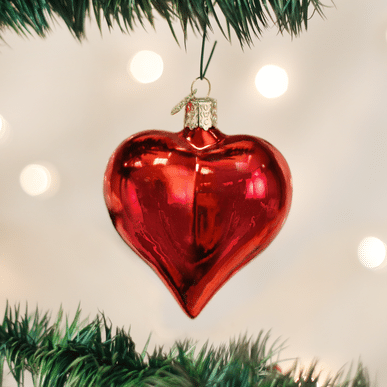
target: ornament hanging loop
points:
(209, 86)
(201, 112)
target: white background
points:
(71, 104)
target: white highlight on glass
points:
(271, 81)
(371, 252)
(206, 171)
(146, 66)
(158, 161)
(37, 179)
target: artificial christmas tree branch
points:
(83, 354)
(247, 18)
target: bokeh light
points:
(146, 66)
(371, 252)
(4, 130)
(39, 180)
(271, 81)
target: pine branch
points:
(82, 354)
(247, 18)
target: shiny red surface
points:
(197, 205)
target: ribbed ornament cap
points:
(201, 113)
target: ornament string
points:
(191, 96)
(203, 73)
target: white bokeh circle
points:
(4, 130)
(371, 252)
(39, 180)
(146, 66)
(271, 81)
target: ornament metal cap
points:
(199, 112)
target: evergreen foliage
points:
(247, 18)
(89, 354)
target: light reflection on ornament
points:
(271, 81)
(256, 186)
(161, 161)
(146, 66)
(241, 166)
(181, 185)
(206, 171)
(371, 252)
(39, 180)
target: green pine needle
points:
(247, 18)
(83, 354)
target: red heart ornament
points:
(197, 205)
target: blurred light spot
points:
(37, 179)
(371, 252)
(146, 66)
(271, 81)
(4, 130)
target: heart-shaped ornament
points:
(197, 205)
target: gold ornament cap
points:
(199, 112)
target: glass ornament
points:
(197, 205)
